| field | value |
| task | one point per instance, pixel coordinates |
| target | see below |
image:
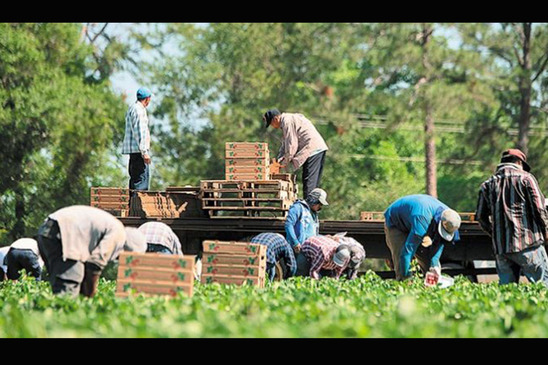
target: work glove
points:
(426, 241)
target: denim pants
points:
(151, 247)
(531, 262)
(139, 172)
(19, 259)
(271, 271)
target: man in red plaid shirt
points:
(324, 253)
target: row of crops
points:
(297, 308)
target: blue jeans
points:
(151, 247)
(532, 262)
(139, 172)
(19, 259)
(270, 271)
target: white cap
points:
(449, 223)
(319, 194)
(342, 255)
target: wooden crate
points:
(154, 274)
(247, 162)
(111, 199)
(372, 216)
(233, 262)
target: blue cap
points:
(143, 93)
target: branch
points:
(542, 67)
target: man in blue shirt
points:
(302, 222)
(415, 220)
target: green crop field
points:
(295, 308)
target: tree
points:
(59, 125)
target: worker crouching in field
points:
(302, 222)
(76, 244)
(419, 220)
(325, 257)
(278, 251)
(511, 209)
(161, 238)
(357, 254)
(24, 254)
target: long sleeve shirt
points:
(417, 215)
(511, 209)
(137, 134)
(277, 249)
(300, 139)
(301, 223)
(89, 234)
(159, 233)
(319, 251)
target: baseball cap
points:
(143, 93)
(449, 224)
(320, 195)
(135, 240)
(519, 154)
(269, 115)
(342, 255)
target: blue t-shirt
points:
(417, 215)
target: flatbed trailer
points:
(474, 245)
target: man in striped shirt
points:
(137, 141)
(278, 251)
(511, 209)
(324, 253)
(161, 238)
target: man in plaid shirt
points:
(278, 250)
(324, 253)
(137, 141)
(161, 238)
(511, 209)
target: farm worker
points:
(302, 222)
(137, 141)
(24, 254)
(161, 238)
(511, 209)
(357, 254)
(78, 241)
(278, 251)
(325, 254)
(302, 145)
(3, 268)
(419, 220)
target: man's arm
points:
(483, 212)
(537, 200)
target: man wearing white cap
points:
(325, 255)
(137, 141)
(419, 220)
(76, 244)
(24, 254)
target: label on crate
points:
(156, 259)
(249, 162)
(233, 247)
(246, 145)
(234, 270)
(225, 279)
(230, 259)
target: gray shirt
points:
(300, 139)
(89, 234)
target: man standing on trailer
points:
(137, 141)
(302, 145)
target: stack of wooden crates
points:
(155, 274)
(113, 200)
(231, 262)
(248, 189)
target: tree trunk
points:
(429, 134)
(430, 152)
(525, 89)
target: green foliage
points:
(368, 307)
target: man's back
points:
(513, 200)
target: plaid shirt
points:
(277, 248)
(137, 135)
(511, 209)
(159, 233)
(319, 251)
